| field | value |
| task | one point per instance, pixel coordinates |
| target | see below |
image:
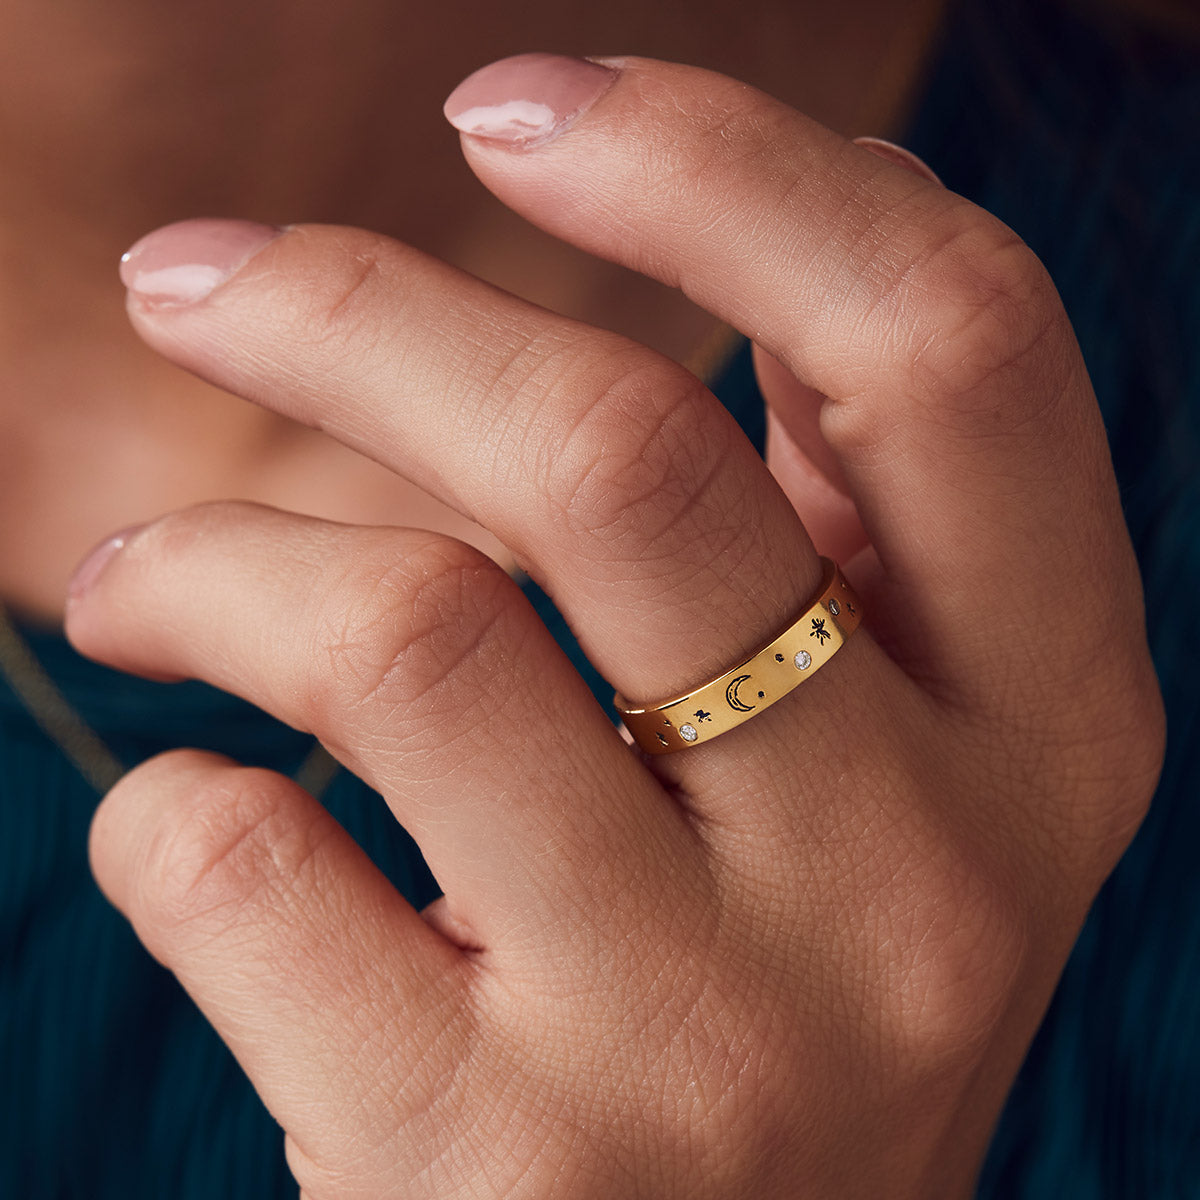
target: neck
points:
(332, 112)
(327, 113)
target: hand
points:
(803, 959)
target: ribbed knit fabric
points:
(113, 1085)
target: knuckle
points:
(636, 461)
(1086, 749)
(1112, 771)
(990, 311)
(225, 846)
(967, 941)
(397, 631)
(1144, 756)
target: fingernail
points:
(93, 565)
(899, 156)
(182, 263)
(527, 100)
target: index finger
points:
(960, 409)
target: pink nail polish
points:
(91, 568)
(182, 263)
(900, 156)
(527, 100)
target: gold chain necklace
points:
(82, 745)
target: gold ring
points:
(744, 691)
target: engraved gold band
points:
(753, 685)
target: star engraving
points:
(701, 715)
(819, 631)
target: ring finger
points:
(420, 664)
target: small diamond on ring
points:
(803, 660)
(834, 607)
(688, 733)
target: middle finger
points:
(615, 477)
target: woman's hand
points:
(802, 959)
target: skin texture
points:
(119, 117)
(805, 959)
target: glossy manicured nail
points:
(182, 263)
(901, 157)
(527, 100)
(93, 565)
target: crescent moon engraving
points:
(731, 695)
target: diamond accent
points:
(803, 660)
(689, 733)
(834, 607)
